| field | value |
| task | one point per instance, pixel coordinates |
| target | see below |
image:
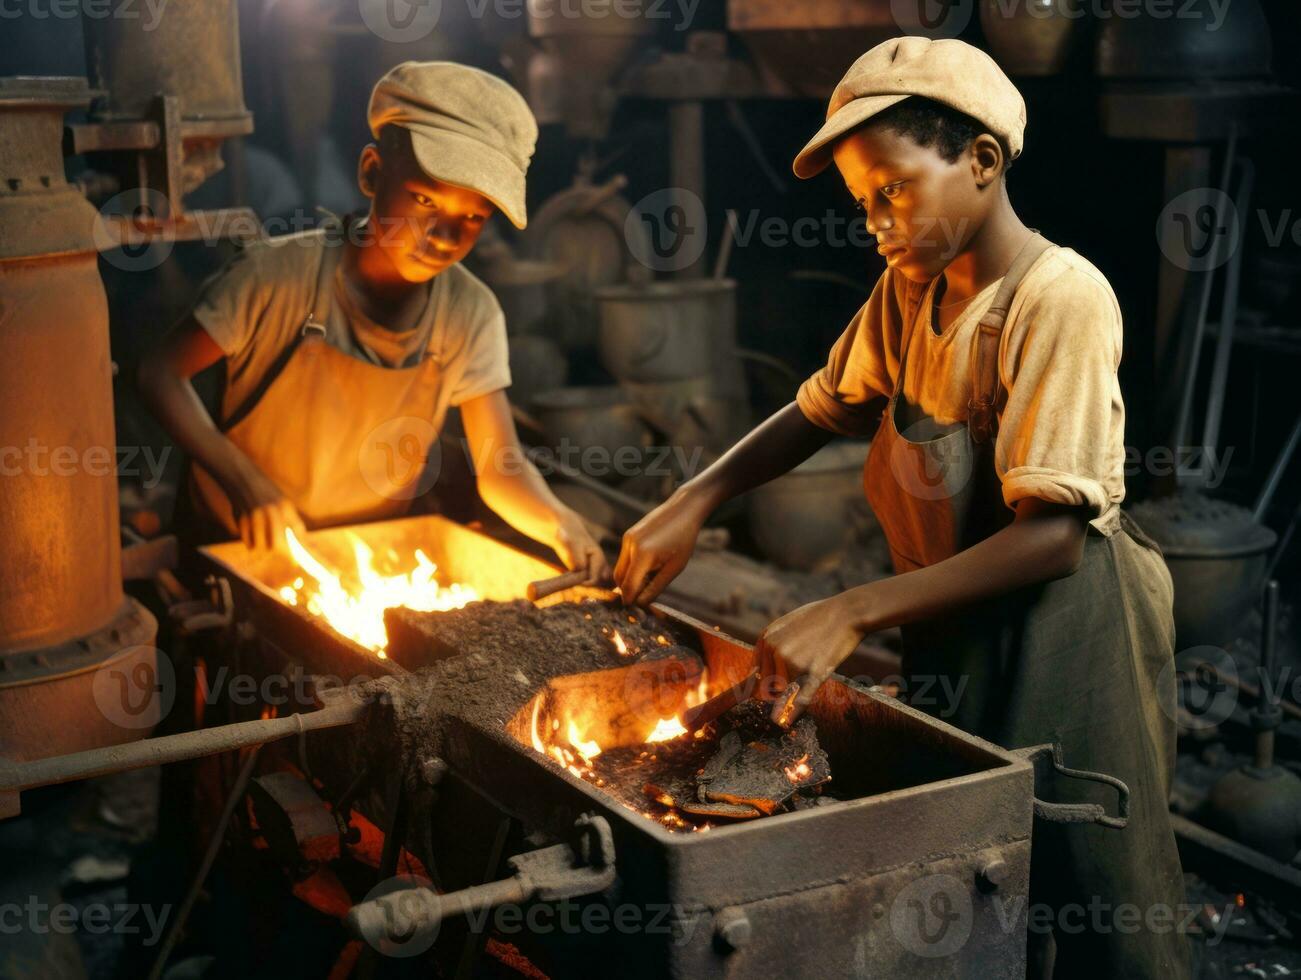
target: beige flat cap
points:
(467, 127)
(947, 71)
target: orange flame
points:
(799, 770)
(358, 612)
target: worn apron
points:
(1076, 661)
(344, 439)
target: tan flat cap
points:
(467, 127)
(947, 71)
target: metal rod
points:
(1276, 474)
(209, 857)
(174, 748)
(1228, 321)
(725, 249)
(1203, 306)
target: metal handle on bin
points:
(1040, 756)
(550, 873)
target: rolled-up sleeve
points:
(1061, 431)
(843, 395)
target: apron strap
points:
(981, 419)
(313, 323)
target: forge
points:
(483, 717)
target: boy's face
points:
(922, 209)
(422, 225)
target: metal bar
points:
(1246, 868)
(687, 164)
(174, 748)
(1276, 474)
(109, 137)
(209, 857)
(1228, 320)
(1204, 303)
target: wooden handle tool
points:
(550, 586)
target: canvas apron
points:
(344, 439)
(1074, 661)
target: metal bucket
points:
(670, 331)
(601, 422)
(807, 518)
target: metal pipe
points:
(687, 164)
(175, 748)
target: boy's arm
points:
(1044, 542)
(658, 547)
(511, 485)
(263, 512)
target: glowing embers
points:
(577, 718)
(352, 601)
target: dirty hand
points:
(579, 550)
(262, 512)
(807, 645)
(656, 549)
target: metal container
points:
(1032, 38)
(809, 517)
(63, 615)
(189, 50)
(802, 49)
(601, 422)
(838, 885)
(591, 43)
(1217, 556)
(670, 330)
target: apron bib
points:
(344, 439)
(1078, 661)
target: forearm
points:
(178, 408)
(777, 446)
(1044, 543)
(523, 500)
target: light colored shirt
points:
(254, 308)
(1062, 424)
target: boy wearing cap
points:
(344, 348)
(984, 366)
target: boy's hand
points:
(579, 550)
(262, 512)
(808, 644)
(657, 548)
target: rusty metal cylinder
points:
(60, 563)
(185, 48)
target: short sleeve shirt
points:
(254, 308)
(1062, 426)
